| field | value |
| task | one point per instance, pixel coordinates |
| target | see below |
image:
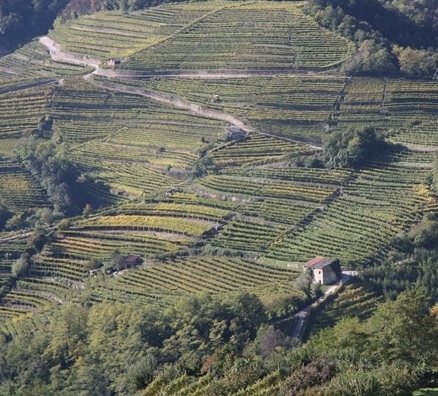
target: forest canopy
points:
(390, 36)
(112, 348)
(22, 20)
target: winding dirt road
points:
(301, 317)
(173, 100)
(60, 55)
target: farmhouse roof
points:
(131, 258)
(318, 262)
(234, 129)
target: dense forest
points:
(391, 37)
(113, 348)
(21, 20)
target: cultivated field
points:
(213, 35)
(204, 212)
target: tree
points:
(64, 225)
(142, 373)
(5, 214)
(416, 63)
(21, 20)
(117, 260)
(21, 266)
(271, 340)
(87, 210)
(317, 372)
(14, 222)
(304, 282)
(424, 235)
(403, 330)
(38, 239)
(93, 264)
(370, 58)
(352, 147)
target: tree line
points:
(21, 20)
(110, 348)
(390, 37)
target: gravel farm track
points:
(59, 55)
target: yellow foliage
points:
(423, 191)
(434, 312)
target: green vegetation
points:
(292, 107)
(284, 42)
(351, 148)
(153, 228)
(389, 36)
(426, 392)
(210, 344)
(22, 20)
(165, 39)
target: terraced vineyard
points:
(355, 300)
(21, 111)
(258, 36)
(269, 385)
(255, 150)
(358, 225)
(19, 191)
(31, 62)
(119, 34)
(127, 141)
(404, 107)
(215, 275)
(285, 106)
(204, 211)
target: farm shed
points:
(234, 133)
(131, 260)
(325, 270)
(113, 62)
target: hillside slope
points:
(234, 152)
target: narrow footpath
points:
(301, 316)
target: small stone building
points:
(113, 62)
(131, 260)
(234, 133)
(325, 270)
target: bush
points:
(21, 266)
(370, 59)
(352, 147)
